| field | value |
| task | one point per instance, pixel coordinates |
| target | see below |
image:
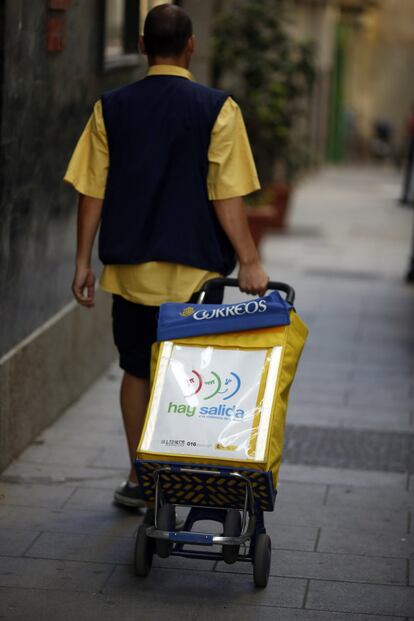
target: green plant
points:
(270, 75)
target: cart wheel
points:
(261, 560)
(165, 521)
(144, 550)
(232, 528)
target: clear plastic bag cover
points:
(209, 402)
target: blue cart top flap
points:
(184, 320)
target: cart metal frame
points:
(252, 520)
(252, 544)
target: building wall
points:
(316, 22)
(49, 349)
(202, 14)
(46, 100)
(380, 81)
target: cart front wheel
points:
(261, 560)
(232, 528)
(165, 521)
(144, 550)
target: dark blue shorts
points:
(135, 330)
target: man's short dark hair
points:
(167, 29)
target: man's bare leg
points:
(134, 401)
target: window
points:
(122, 23)
(147, 5)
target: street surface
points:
(343, 545)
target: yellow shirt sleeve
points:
(88, 167)
(232, 171)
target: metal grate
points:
(349, 448)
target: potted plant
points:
(270, 74)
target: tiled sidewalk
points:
(343, 548)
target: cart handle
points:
(233, 282)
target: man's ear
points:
(141, 45)
(191, 44)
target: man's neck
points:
(169, 61)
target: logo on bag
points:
(234, 310)
(211, 385)
(221, 411)
(187, 312)
(207, 387)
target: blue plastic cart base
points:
(222, 495)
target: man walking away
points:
(161, 167)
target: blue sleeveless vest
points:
(156, 206)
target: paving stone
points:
(344, 477)
(338, 567)
(379, 333)
(102, 401)
(89, 478)
(302, 397)
(367, 598)
(306, 388)
(290, 537)
(115, 522)
(70, 437)
(46, 454)
(91, 499)
(366, 542)
(265, 613)
(343, 517)
(308, 493)
(58, 605)
(184, 564)
(323, 355)
(340, 332)
(28, 573)
(112, 457)
(394, 385)
(21, 494)
(103, 549)
(74, 476)
(369, 370)
(83, 547)
(356, 417)
(375, 497)
(81, 422)
(202, 587)
(368, 362)
(385, 397)
(15, 542)
(334, 370)
(399, 355)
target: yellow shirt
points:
(231, 172)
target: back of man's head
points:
(167, 30)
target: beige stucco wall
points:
(380, 66)
(46, 372)
(316, 22)
(147, 5)
(202, 13)
(379, 73)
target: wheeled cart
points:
(213, 434)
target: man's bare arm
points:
(233, 219)
(89, 217)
